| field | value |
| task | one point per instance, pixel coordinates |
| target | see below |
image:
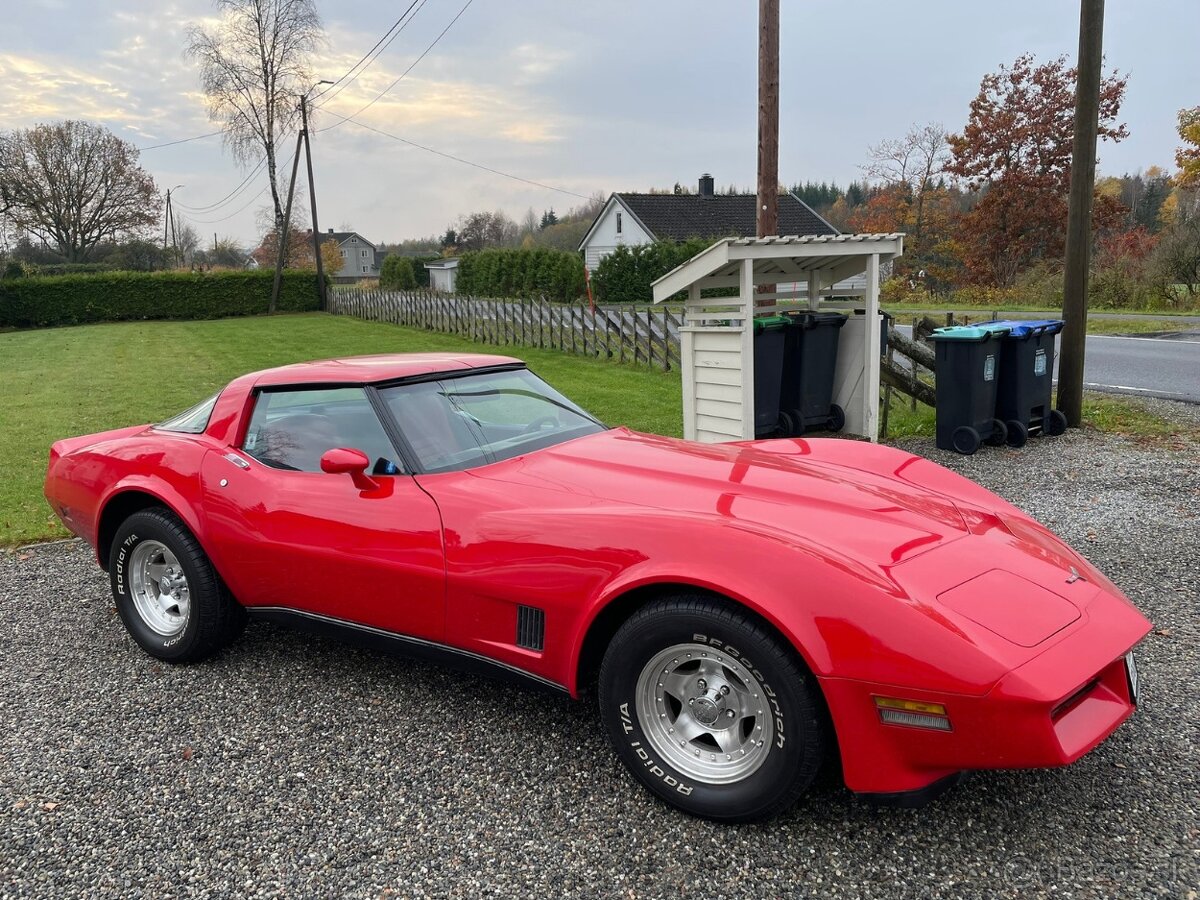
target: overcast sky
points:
(612, 95)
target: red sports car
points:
(746, 610)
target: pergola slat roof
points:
(791, 257)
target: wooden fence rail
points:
(642, 336)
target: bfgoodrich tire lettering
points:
(154, 558)
(729, 727)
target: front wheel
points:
(711, 710)
(173, 604)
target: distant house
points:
(359, 257)
(633, 219)
(443, 274)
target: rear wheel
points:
(711, 710)
(171, 600)
(837, 418)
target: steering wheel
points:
(538, 424)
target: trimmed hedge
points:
(40, 301)
(553, 274)
(625, 275)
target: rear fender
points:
(162, 492)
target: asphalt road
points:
(1165, 367)
(292, 766)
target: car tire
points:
(173, 603)
(750, 761)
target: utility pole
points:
(167, 220)
(312, 197)
(1079, 214)
(282, 238)
(768, 117)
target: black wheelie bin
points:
(968, 362)
(769, 337)
(809, 362)
(1023, 397)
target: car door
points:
(285, 534)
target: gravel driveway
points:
(294, 766)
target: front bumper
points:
(1049, 711)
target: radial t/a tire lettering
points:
(711, 709)
(173, 603)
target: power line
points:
(425, 53)
(248, 203)
(465, 162)
(390, 35)
(214, 206)
(180, 141)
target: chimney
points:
(706, 185)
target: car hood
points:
(791, 496)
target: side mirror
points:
(347, 461)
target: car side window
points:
(292, 429)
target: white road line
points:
(1133, 337)
(1125, 387)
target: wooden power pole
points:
(312, 199)
(281, 239)
(768, 117)
(1079, 215)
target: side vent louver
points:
(531, 627)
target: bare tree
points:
(914, 160)
(185, 241)
(73, 185)
(254, 64)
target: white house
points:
(358, 256)
(633, 219)
(443, 274)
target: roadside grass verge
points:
(61, 382)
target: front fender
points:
(845, 618)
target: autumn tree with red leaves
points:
(1016, 150)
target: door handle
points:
(237, 461)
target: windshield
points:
(193, 420)
(473, 420)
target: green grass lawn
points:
(68, 381)
(61, 382)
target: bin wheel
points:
(999, 434)
(965, 439)
(786, 427)
(797, 429)
(837, 418)
(1018, 434)
(1055, 424)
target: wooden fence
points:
(648, 337)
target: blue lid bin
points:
(968, 362)
(1023, 395)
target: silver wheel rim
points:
(159, 588)
(705, 714)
